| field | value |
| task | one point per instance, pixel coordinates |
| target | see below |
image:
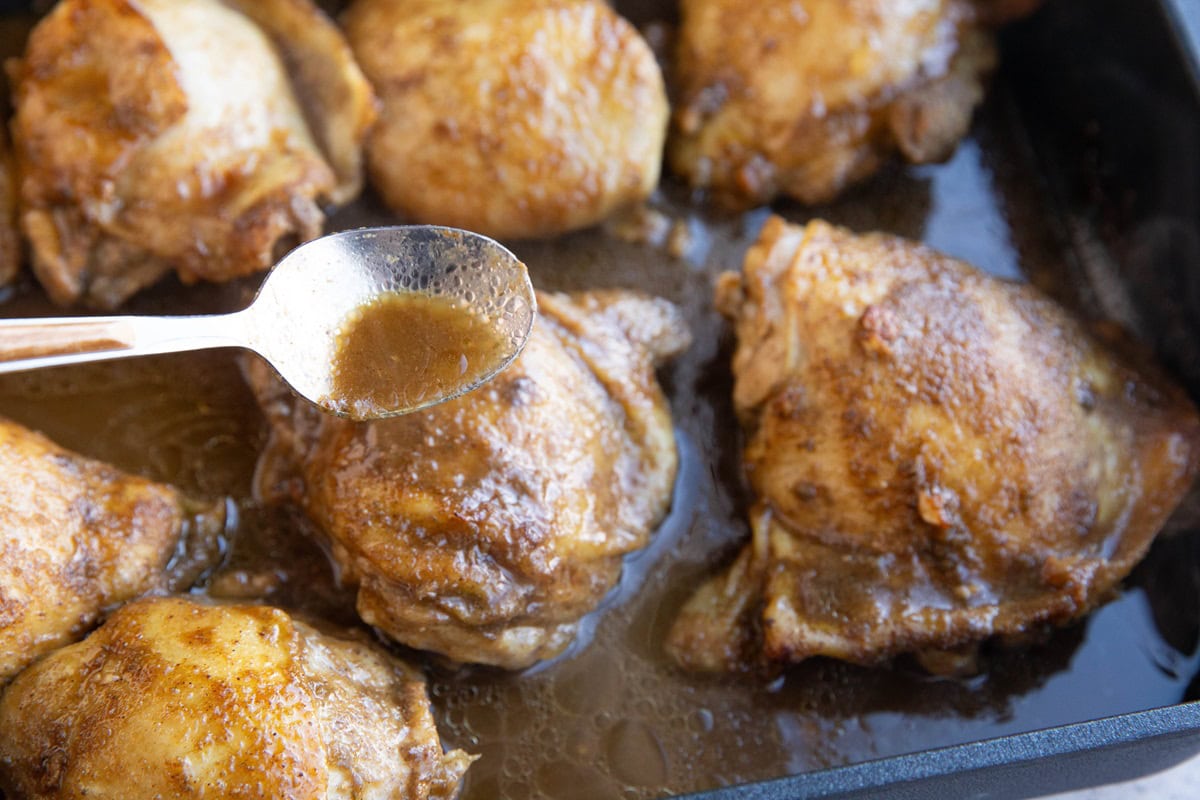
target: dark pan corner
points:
(1184, 16)
(1109, 93)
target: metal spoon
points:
(296, 319)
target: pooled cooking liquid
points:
(404, 348)
(612, 718)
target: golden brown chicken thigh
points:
(158, 135)
(938, 457)
(76, 537)
(174, 698)
(483, 529)
(514, 118)
(805, 98)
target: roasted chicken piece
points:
(483, 529)
(938, 457)
(514, 118)
(803, 99)
(78, 536)
(195, 135)
(174, 698)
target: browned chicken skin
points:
(514, 118)
(938, 456)
(173, 698)
(76, 537)
(485, 528)
(805, 98)
(159, 135)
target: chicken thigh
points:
(514, 118)
(174, 698)
(159, 135)
(483, 529)
(78, 536)
(805, 98)
(938, 457)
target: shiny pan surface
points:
(1079, 175)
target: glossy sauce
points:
(404, 350)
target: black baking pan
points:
(1082, 175)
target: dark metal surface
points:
(1109, 93)
(1025, 765)
(1185, 19)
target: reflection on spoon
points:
(367, 323)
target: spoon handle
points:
(52, 341)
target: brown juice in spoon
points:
(403, 347)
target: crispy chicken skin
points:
(514, 118)
(174, 698)
(76, 537)
(803, 99)
(153, 135)
(483, 529)
(938, 456)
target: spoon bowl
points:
(330, 278)
(300, 316)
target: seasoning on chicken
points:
(174, 698)
(484, 528)
(77, 537)
(514, 118)
(803, 99)
(938, 457)
(197, 136)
